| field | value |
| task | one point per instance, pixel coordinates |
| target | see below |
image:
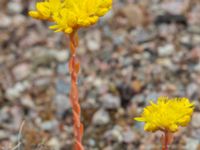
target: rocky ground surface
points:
(140, 50)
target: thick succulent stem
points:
(74, 66)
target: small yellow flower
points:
(167, 114)
(69, 15)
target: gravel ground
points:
(140, 50)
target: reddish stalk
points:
(166, 141)
(74, 66)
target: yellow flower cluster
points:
(167, 114)
(70, 15)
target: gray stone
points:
(142, 36)
(191, 89)
(91, 142)
(114, 134)
(128, 136)
(4, 115)
(62, 86)
(118, 40)
(42, 83)
(194, 29)
(62, 103)
(62, 68)
(21, 71)
(110, 101)
(19, 20)
(138, 99)
(174, 7)
(197, 67)
(196, 120)
(196, 39)
(152, 96)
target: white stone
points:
(15, 91)
(62, 56)
(5, 21)
(14, 7)
(166, 50)
(54, 143)
(101, 117)
(93, 40)
(49, 125)
(191, 144)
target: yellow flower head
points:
(69, 15)
(167, 114)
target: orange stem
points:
(165, 141)
(74, 66)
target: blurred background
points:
(140, 50)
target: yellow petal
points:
(33, 14)
(139, 119)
